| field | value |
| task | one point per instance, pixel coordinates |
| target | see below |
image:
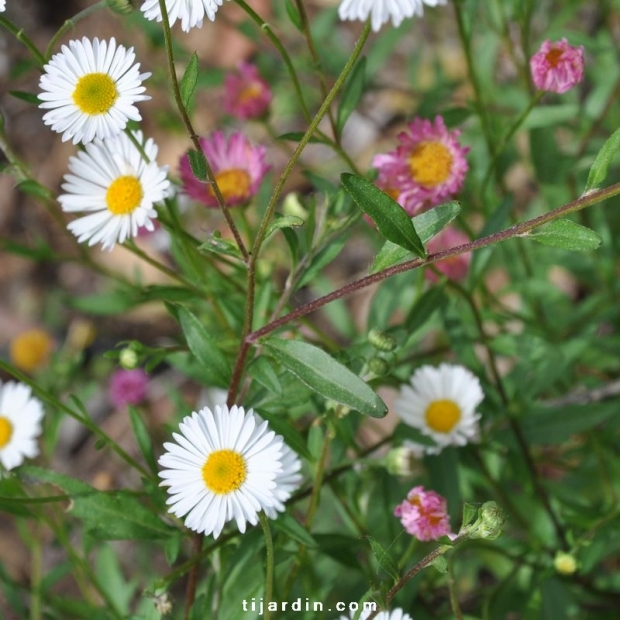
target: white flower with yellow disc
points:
(441, 402)
(20, 424)
(90, 89)
(113, 182)
(225, 465)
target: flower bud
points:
(565, 563)
(122, 7)
(381, 341)
(378, 366)
(128, 358)
(490, 522)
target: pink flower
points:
(427, 167)
(557, 67)
(127, 387)
(238, 167)
(246, 94)
(456, 267)
(424, 514)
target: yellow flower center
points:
(224, 471)
(124, 195)
(95, 93)
(31, 349)
(430, 164)
(442, 415)
(553, 57)
(6, 430)
(250, 92)
(234, 184)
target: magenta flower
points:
(427, 168)
(246, 94)
(127, 387)
(557, 67)
(238, 167)
(456, 267)
(424, 514)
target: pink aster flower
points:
(246, 94)
(238, 167)
(557, 67)
(456, 267)
(427, 168)
(127, 387)
(424, 514)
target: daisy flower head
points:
(189, 12)
(2, 6)
(441, 403)
(395, 614)
(246, 93)
(225, 465)
(30, 350)
(381, 11)
(424, 514)
(20, 424)
(112, 182)
(557, 66)
(455, 268)
(238, 166)
(427, 167)
(127, 387)
(90, 89)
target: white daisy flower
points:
(381, 11)
(441, 403)
(111, 180)
(20, 424)
(395, 614)
(226, 465)
(2, 6)
(90, 89)
(190, 12)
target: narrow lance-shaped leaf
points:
(427, 225)
(322, 373)
(204, 347)
(391, 219)
(603, 160)
(198, 164)
(567, 235)
(189, 79)
(351, 93)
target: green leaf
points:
(567, 235)
(600, 167)
(289, 526)
(198, 164)
(383, 557)
(391, 219)
(296, 136)
(284, 221)
(322, 373)
(111, 515)
(204, 347)
(424, 308)
(143, 439)
(262, 371)
(293, 15)
(112, 302)
(351, 93)
(34, 188)
(216, 245)
(25, 96)
(189, 79)
(427, 225)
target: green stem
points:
(192, 133)
(260, 235)
(22, 38)
(71, 23)
(264, 26)
(269, 562)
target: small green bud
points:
(123, 7)
(565, 563)
(292, 206)
(128, 358)
(490, 522)
(378, 366)
(381, 341)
